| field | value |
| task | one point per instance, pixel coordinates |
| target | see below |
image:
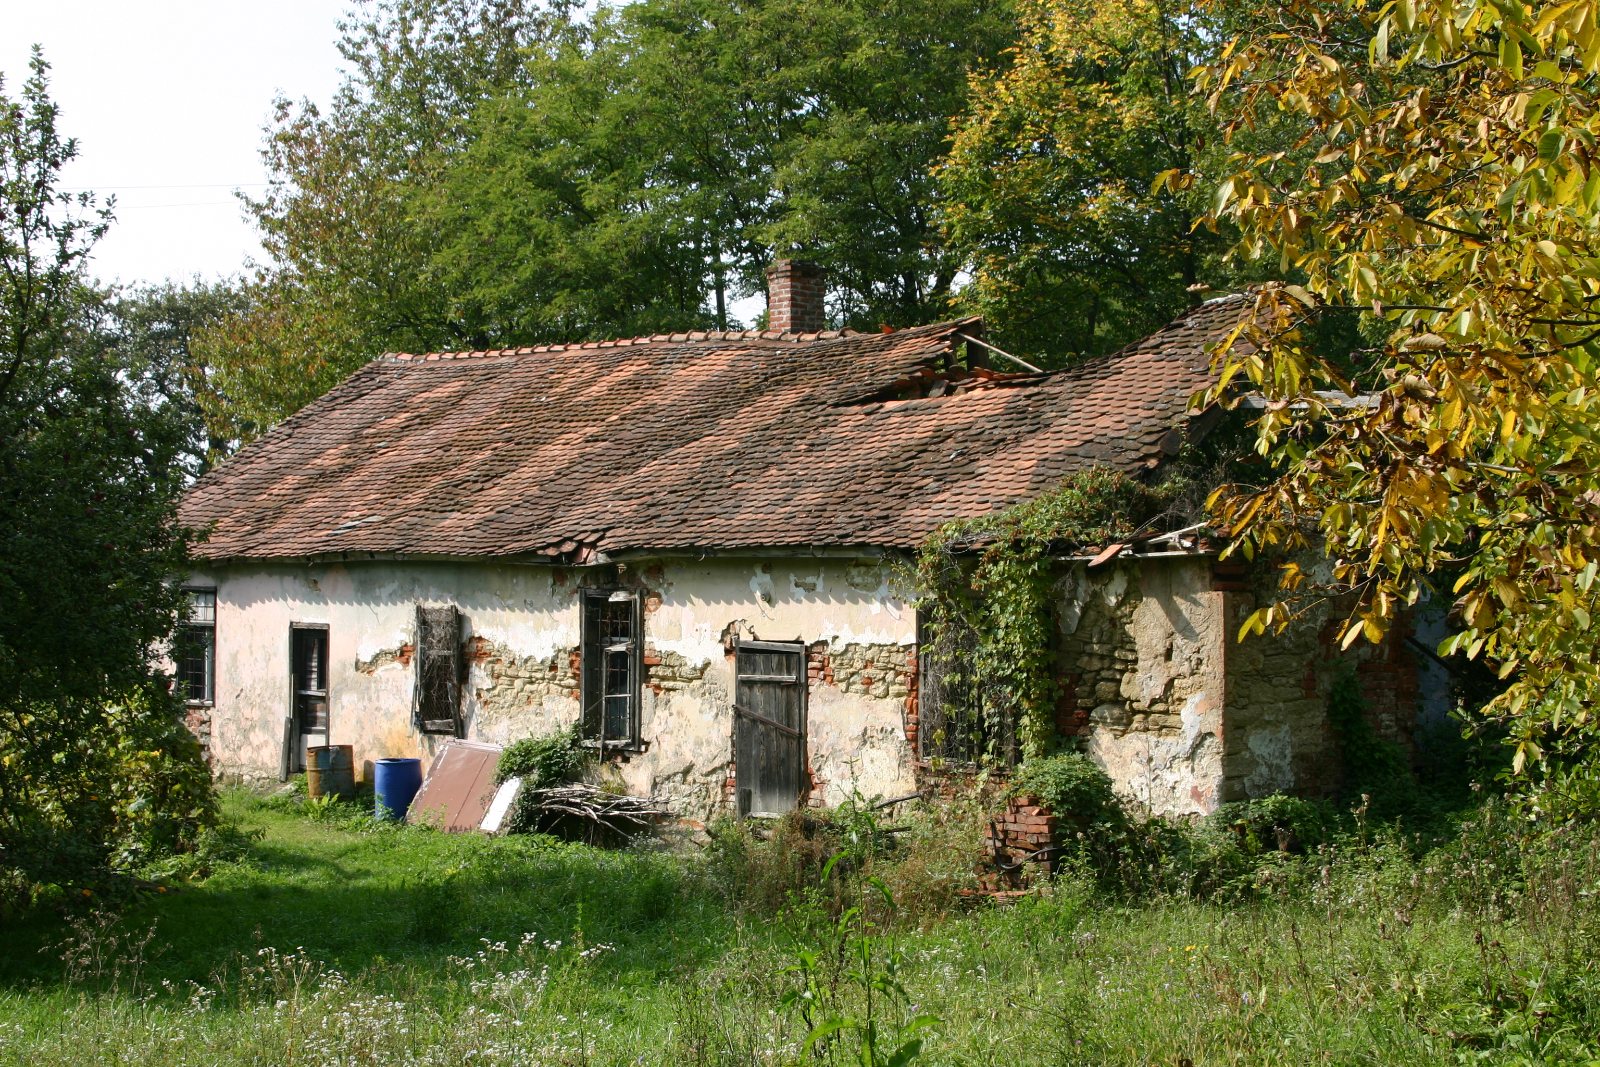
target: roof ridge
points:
(681, 337)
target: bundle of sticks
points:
(617, 813)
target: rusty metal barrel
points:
(330, 771)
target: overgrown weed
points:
(1378, 945)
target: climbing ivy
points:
(985, 587)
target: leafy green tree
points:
(96, 766)
(1077, 176)
(1446, 186)
(347, 225)
(150, 331)
(495, 173)
(649, 170)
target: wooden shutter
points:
(436, 697)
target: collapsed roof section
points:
(691, 442)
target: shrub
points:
(1277, 823)
(1091, 824)
(541, 762)
(130, 792)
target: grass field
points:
(340, 942)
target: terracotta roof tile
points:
(688, 441)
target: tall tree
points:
(350, 269)
(1062, 189)
(632, 173)
(649, 172)
(151, 331)
(1447, 187)
(94, 757)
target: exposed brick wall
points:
(198, 719)
(1387, 674)
(518, 682)
(1019, 844)
(666, 672)
(913, 717)
(796, 295)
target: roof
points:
(690, 442)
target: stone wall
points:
(1182, 715)
(1141, 648)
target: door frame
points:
(295, 737)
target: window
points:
(436, 697)
(610, 653)
(197, 648)
(962, 717)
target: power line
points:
(214, 185)
(199, 203)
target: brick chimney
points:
(795, 292)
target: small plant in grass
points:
(215, 846)
(102, 951)
(848, 995)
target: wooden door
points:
(769, 727)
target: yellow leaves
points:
(1369, 626)
(1511, 56)
(1463, 208)
(1173, 180)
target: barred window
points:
(611, 668)
(197, 647)
(963, 718)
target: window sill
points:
(199, 703)
(616, 746)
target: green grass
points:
(341, 942)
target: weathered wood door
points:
(769, 727)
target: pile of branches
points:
(580, 811)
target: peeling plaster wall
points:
(1278, 689)
(521, 639)
(1183, 716)
(1279, 740)
(1142, 647)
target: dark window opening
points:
(436, 696)
(308, 672)
(963, 718)
(197, 648)
(611, 668)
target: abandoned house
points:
(686, 544)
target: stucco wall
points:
(521, 630)
(1141, 645)
(1183, 716)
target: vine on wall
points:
(985, 586)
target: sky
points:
(167, 99)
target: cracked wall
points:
(1141, 644)
(520, 650)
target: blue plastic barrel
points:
(394, 782)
